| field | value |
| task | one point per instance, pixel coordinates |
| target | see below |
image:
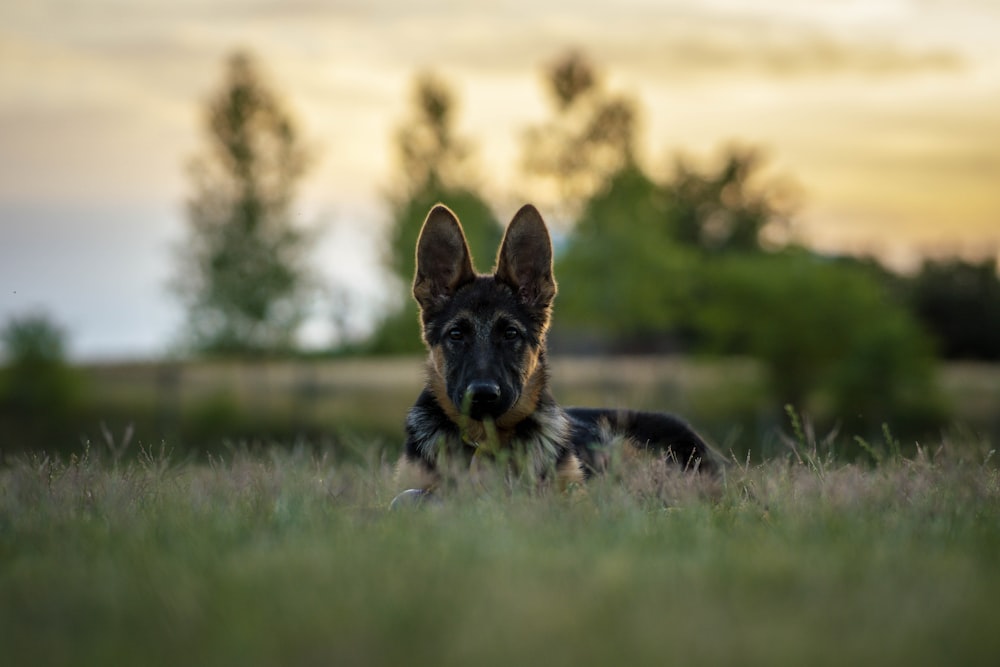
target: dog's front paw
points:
(413, 498)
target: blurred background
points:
(208, 211)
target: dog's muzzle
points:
(482, 399)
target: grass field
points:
(290, 557)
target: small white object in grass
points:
(411, 498)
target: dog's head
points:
(485, 333)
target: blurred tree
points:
(39, 391)
(630, 279)
(821, 327)
(646, 243)
(590, 138)
(959, 303)
(436, 166)
(32, 340)
(727, 209)
(431, 154)
(242, 273)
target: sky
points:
(885, 114)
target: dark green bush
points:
(831, 339)
(40, 393)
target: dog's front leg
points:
(417, 477)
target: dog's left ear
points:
(525, 259)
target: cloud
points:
(683, 39)
(138, 81)
(784, 56)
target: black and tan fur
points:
(487, 394)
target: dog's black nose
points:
(482, 397)
(483, 391)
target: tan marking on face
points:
(438, 364)
(533, 381)
(436, 370)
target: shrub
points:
(823, 329)
(39, 391)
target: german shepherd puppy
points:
(487, 394)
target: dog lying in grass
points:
(487, 396)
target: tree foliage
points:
(959, 303)
(727, 208)
(638, 246)
(33, 339)
(436, 165)
(686, 262)
(38, 389)
(242, 274)
(590, 138)
(432, 156)
(821, 327)
(628, 276)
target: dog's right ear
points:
(444, 262)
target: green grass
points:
(290, 557)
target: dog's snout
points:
(482, 399)
(483, 392)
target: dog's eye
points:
(455, 334)
(510, 333)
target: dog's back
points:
(595, 431)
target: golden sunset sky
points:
(885, 113)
